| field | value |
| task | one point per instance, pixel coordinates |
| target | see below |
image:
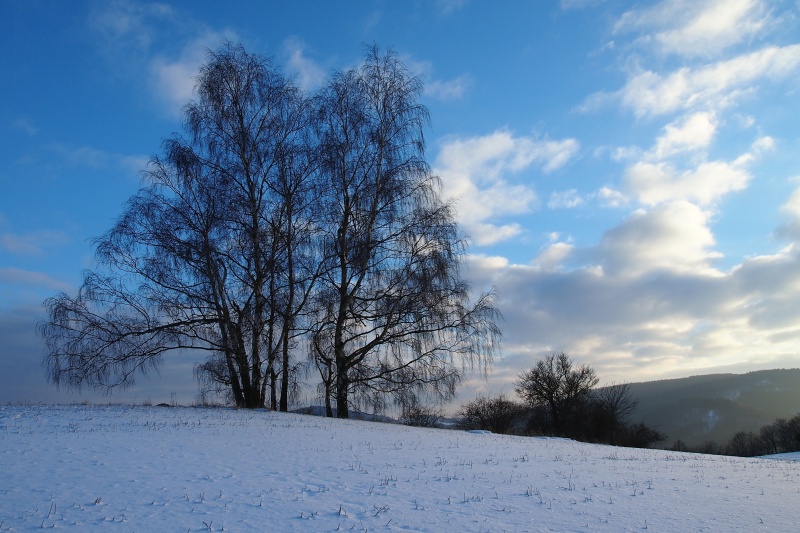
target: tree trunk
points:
(342, 408)
(273, 385)
(284, 405)
(328, 406)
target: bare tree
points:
(283, 223)
(554, 384)
(201, 258)
(745, 444)
(394, 316)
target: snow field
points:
(119, 468)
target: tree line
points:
(782, 436)
(283, 232)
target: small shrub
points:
(498, 415)
(421, 416)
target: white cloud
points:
(477, 173)
(692, 28)
(443, 90)
(792, 205)
(714, 86)
(657, 177)
(658, 307)
(174, 78)
(673, 237)
(130, 32)
(791, 212)
(609, 197)
(565, 199)
(651, 297)
(655, 183)
(310, 75)
(486, 262)
(690, 133)
(448, 90)
(552, 257)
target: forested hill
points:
(715, 407)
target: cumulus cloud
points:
(691, 28)
(652, 297)
(691, 133)
(647, 300)
(477, 173)
(658, 176)
(672, 237)
(553, 256)
(713, 86)
(654, 183)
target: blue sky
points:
(628, 172)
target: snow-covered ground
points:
(116, 468)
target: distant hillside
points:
(717, 406)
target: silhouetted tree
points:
(555, 385)
(604, 416)
(206, 255)
(393, 312)
(789, 434)
(745, 444)
(284, 223)
(770, 438)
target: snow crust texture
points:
(118, 468)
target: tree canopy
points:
(284, 227)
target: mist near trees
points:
(284, 234)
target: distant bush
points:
(498, 415)
(679, 446)
(421, 416)
(639, 436)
